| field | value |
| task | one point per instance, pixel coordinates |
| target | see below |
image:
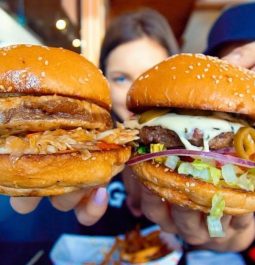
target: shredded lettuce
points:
(229, 174)
(201, 170)
(172, 162)
(245, 183)
(216, 212)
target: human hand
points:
(89, 205)
(133, 190)
(192, 227)
(243, 55)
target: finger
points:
(133, 190)
(242, 221)
(24, 205)
(157, 211)
(190, 224)
(91, 209)
(67, 202)
(242, 56)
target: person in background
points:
(133, 43)
(231, 38)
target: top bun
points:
(195, 81)
(32, 69)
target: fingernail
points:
(100, 196)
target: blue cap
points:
(234, 24)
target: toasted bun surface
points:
(190, 192)
(195, 81)
(32, 69)
(45, 175)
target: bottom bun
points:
(192, 193)
(55, 174)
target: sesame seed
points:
(208, 65)
(187, 71)
(217, 82)
(1, 87)
(173, 68)
(163, 199)
(198, 77)
(236, 94)
(146, 76)
(241, 95)
(230, 103)
(93, 158)
(198, 64)
(141, 77)
(187, 184)
(46, 62)
(174, 77)
(187, 190)
(206, 70)
(248, 90)
(39, 58)
(202, 75)
(230, 79)
(242, 79)
(43, 74)
(220, 77)
(214, 77)
(157, 165)
(192, 184)
(156, 67)
(166, 169)
(191, 67)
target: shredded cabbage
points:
(216, 212)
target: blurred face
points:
(126, 63)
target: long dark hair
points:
(134, 25)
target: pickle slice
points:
(151, 114)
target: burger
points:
(56, 131)
(197, 145)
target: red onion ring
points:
(226, 159)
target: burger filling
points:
(39, 113)
(39, 125)
(197, 142)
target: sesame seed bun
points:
(41, 70)
(192, 193)
(199, 82)
(46, 175)
(195, 81)
(53, 106)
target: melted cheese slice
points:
(184, 126)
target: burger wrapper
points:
(80, 250)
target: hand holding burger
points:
(196, 145)
(56, 130)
